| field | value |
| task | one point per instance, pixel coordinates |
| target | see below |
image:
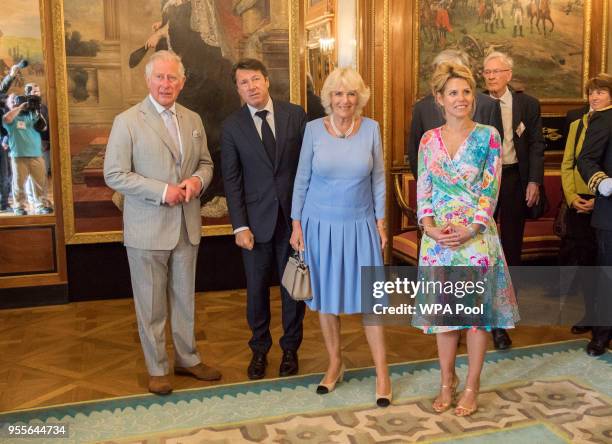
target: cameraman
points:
(24, 126)
(32, 89)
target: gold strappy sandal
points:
(465, 411)
(444, 406)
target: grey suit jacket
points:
(139, 162)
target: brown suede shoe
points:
(199, 371)
(160, 385)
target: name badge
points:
(21, 125)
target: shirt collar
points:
(160, 108)
(506, 97)
(269, 107)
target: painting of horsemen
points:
(544, 37)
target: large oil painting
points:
(107, 43)
(546, 39)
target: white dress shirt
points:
(270, 117)
(509, 156)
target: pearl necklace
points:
(339, 133)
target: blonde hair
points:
(446, 71)
(349, 79)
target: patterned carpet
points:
(549, 393)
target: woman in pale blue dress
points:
(338, 217)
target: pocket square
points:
(520, 129)
(196, 133)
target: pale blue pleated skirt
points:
(338, 242)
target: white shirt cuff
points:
(163, 201)
(201, 183)
(239, 229)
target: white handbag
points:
(296, 278)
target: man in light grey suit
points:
(157, 157)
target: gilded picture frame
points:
(80, 77)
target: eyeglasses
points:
(495, 72)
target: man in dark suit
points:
(260, 148)
(595, 167)
(522, 161)
(427, 114)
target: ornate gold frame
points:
(586, 61)
(59, 55)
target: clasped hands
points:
(183, 192)
(583, 205)
(450, 235)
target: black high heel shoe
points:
(383, 400)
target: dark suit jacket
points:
(595, 164)
(427, 115)
(254, 186)
(529, 145)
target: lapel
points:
(252, 136)
(516, 114)
(186, 134)
(154, 120)
(281, 119)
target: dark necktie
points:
(267, 136)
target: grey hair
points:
(505, 58)
(451, 56)
(166, 56)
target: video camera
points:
(33, 102)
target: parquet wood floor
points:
(90, 350)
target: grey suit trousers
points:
(161, 278)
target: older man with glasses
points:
(522, 161)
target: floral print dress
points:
(463, 190)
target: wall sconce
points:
(327, 44)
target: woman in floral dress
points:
(457, 188)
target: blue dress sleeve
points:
(302, 177)
(378, 175)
